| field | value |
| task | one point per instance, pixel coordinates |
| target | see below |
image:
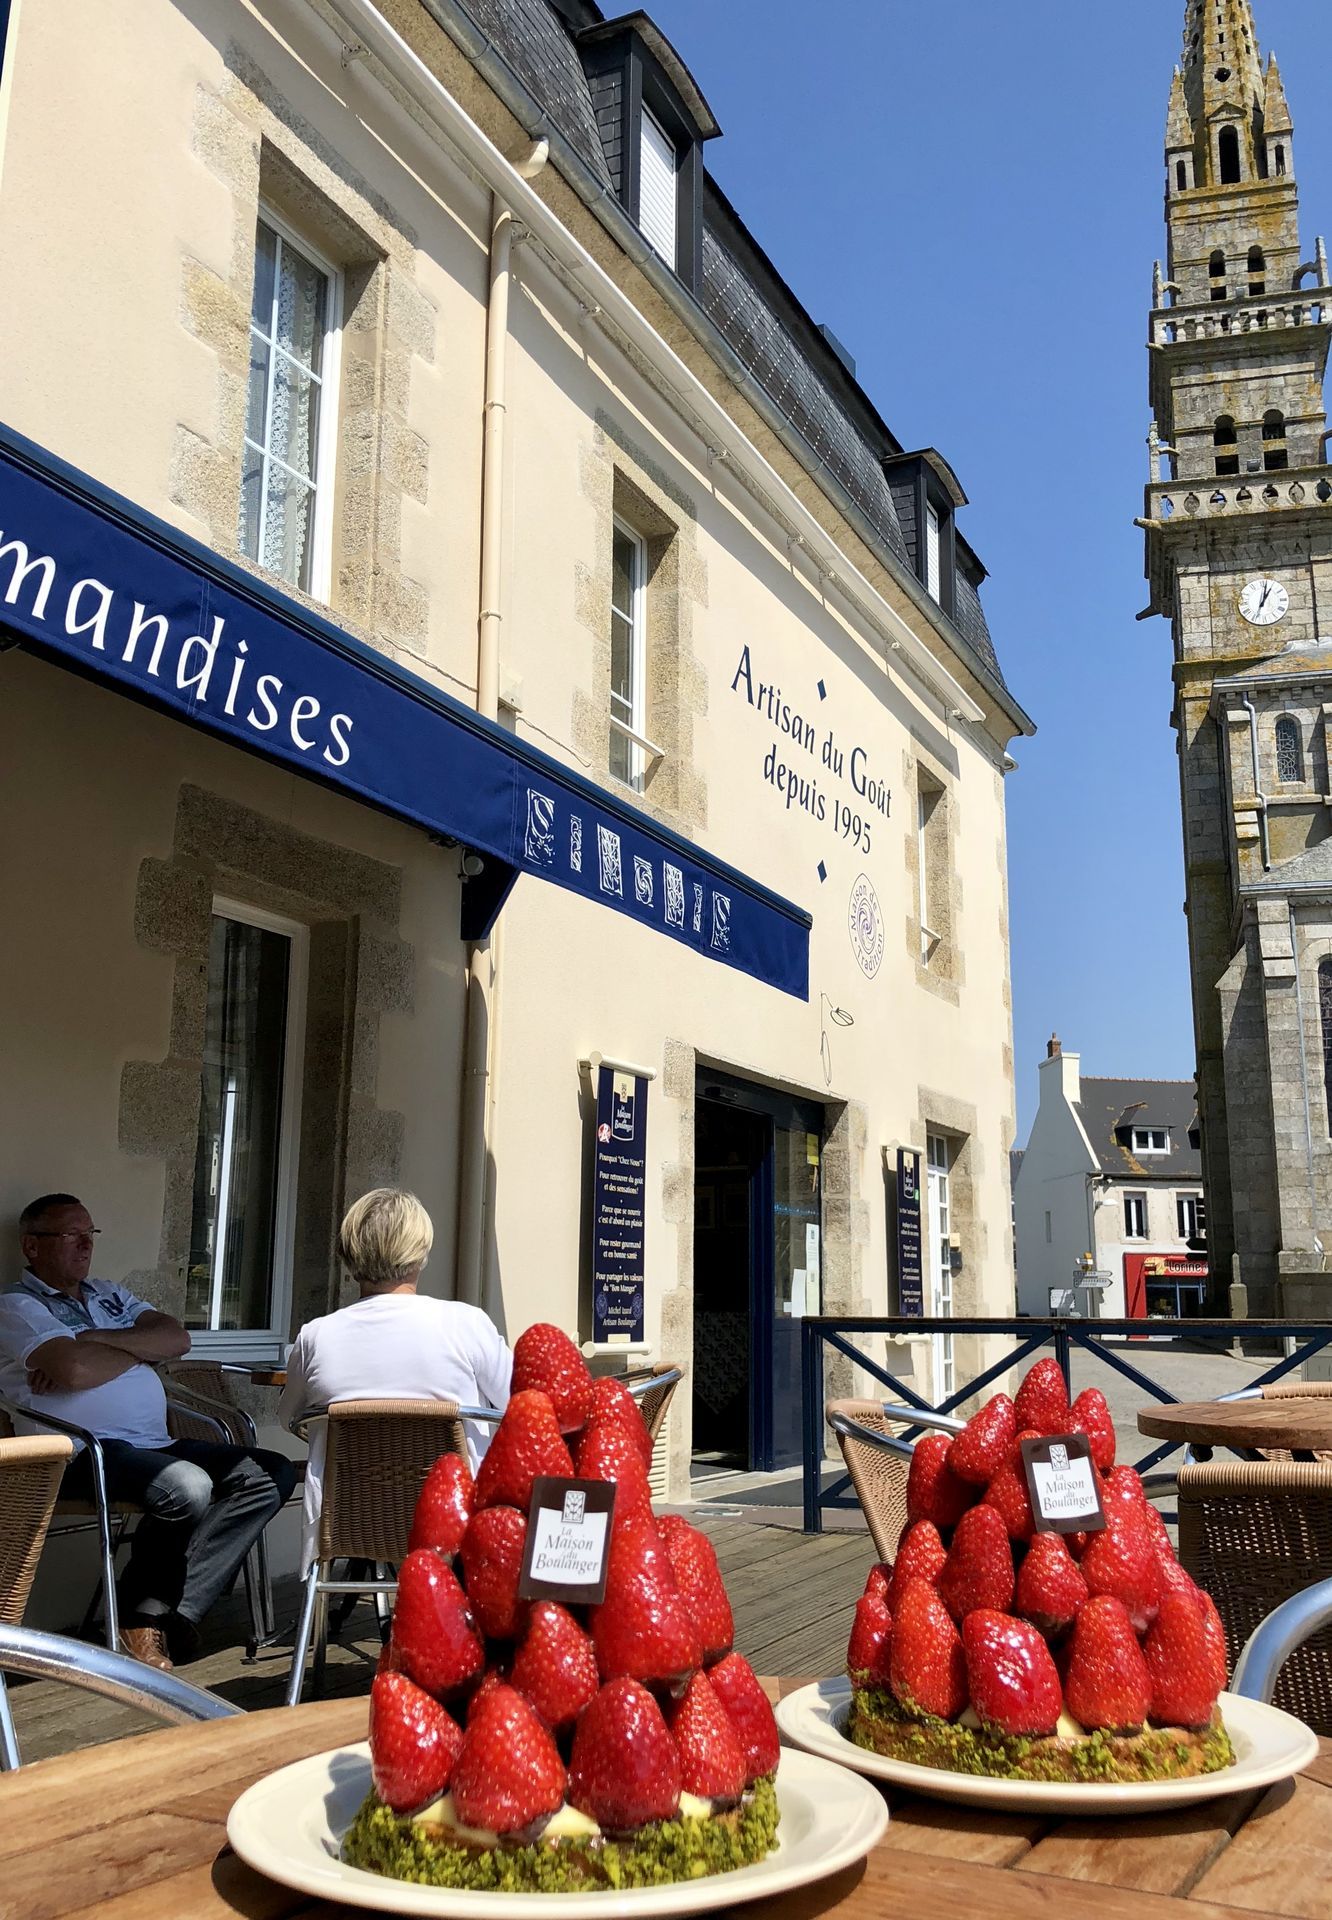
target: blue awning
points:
(94, 582)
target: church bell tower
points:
(1238, 522)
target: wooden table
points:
(1300, 1426)
(137, 1831)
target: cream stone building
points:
(464, 623)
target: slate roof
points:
(742, 294)
(1109, 1109)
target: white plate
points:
(1269, 1746)
(290, 1826)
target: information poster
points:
(618, 1187)
(910, 1276)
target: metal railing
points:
(822, 1334)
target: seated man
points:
(391, 1343)
(85, 1350)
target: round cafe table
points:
(136, 1830)
(1299, 1426)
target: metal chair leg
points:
(320, 1643)
(383, 1610)
(10, 1758)
(304, 1627)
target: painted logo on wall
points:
(865, 922)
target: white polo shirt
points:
(131, 1407)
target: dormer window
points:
(1150, 1140)
(926, 493)
(653, 121)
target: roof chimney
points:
(1055, 1048)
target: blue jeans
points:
(204, 1506)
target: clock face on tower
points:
(1263, 603)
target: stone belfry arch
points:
(1239, 559)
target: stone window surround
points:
(255, 143)
(624, 482)
(359, 969)
(943, 972)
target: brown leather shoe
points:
(148, 1644)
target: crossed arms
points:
(99, 1354)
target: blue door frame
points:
(774, 1346)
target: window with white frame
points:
(939, 1163)
(1135, 1216)
(658, 188)
(291, 411)
(1191, 1214)
(1151, 1140)
(628, 691)
(238, 1284)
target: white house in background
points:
(1113, 1169)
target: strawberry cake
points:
(989, 1648)
(524, 1746)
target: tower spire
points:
(1224, 87)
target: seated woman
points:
(392, 1343)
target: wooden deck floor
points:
(792, 1595)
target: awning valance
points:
(90, 580)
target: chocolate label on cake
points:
(1063, 1483)
(568, 1540)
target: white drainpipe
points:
(476, 1193)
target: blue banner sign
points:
(910, 1273)
(92, 581)
(619, 1187)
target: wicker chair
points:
(878, 1462)
(376, 1454)
(654, 1390)
(30, 1471)
(1255, 1533)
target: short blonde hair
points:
(385, 1237)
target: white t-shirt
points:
(392, 1346)
(130, 1407)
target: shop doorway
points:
(757, 1269)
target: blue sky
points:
(970, 195)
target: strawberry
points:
(434, 1634)
(1077, 1543)
(625, 1767)
(527, 1442)
(641, 1628)
(979, 1569)
(390, 1660)
(546, 1358)
(1121, 1560)
(712, 1764)
(1175, 1580)
(1159, 1535)
(871, 1638)
(555, 1666)
(443, 1507)
(1012, 1679)
(495, 1677)
(927, 1668)
(1181, 1663)
(612, 1400)
(986, 1441)
(920, 1556)
(492, 1559)
(877, 1581)
(1050, 1586)
(1122, 1492)
(509, 1773)
(934, 1491)
(698, 1577)
(750, 1712)
(1215, 1635)
(1042, 1399)
(414, 1744)
(1007, 1493)
(1090, 1414)
(609, 1451)
(1107, 1684)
